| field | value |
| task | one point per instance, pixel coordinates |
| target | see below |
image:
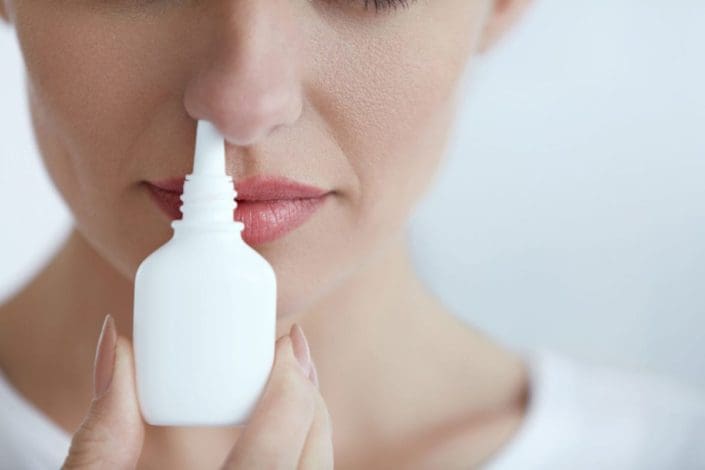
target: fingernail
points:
(104, 362)
(313, 376)
(300, 346)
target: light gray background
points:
(571, 210)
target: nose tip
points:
(248, 84)
(242, 114)
(258, 116)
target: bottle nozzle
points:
(209, 194)
(209, 157)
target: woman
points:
(354, 98)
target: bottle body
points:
(204, 329)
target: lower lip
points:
(264, 221)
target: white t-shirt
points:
(580, 416)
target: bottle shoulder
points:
(224, 253)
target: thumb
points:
(112, 432)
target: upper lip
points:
(255, 188)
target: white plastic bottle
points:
(204, 307)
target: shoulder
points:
(585, 415)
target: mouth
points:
(269, 207)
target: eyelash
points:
(379, 5)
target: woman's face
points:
(324, 92)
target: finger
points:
(276, 432)
(112, 431)
(318, 449)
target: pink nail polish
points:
(300, 346)
(104, 361)
(313, 376)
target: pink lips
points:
(270, 207)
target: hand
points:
(290, 427)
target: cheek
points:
(97, 82)
(392, 94)
(98, 86)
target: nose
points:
(248, 83)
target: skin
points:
(326, 93)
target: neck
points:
(390, 358)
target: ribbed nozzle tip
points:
(209, 157)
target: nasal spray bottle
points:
(204, 307)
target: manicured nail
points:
(313, 376)
(104, 362)
(300, 346)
